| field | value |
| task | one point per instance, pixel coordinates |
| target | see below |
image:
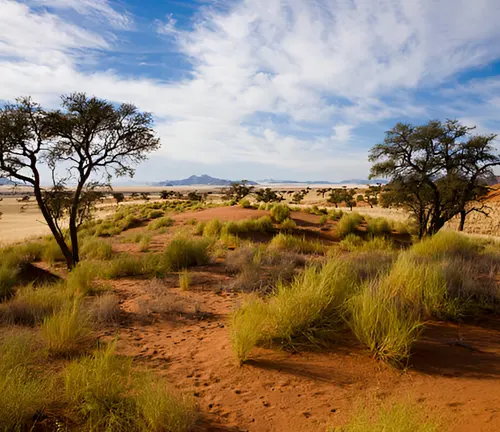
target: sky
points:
(259, 89)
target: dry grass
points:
(296, 244)
(105, 308)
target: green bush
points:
(307, 309)
(378, 226)
(51, 252)
(384, 324)
(8, 279)
(446, 244)
(95, 249)
(66, 331)
(182, 253)
(280, 212)
(245, 203)
(212, 228)
(144, 243)
(288, 225)
(184, 280)
(398, 417)
(162, 222)
(292, 243)
(155, 214)
(348, 224)
(24, 394)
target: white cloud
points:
(264, 72)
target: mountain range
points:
(204, 179)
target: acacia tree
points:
(437, 171)
(237, 191)
(87, 136)
(267, 195)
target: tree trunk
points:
(57, 236)
(461, 225)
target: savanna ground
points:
(183, 317)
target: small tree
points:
(145, 196)
(166, 194)
(88, 136)
(350, 198)
(118, 197)
(195, 196)
(436, 171)
(299, 196)
(323, 192)
(371, 195)
(237, 191)
(336, 196)
(267, 195)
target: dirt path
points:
(455, 370)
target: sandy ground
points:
(454, 372)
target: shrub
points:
(155, 214)
(262, 224)
(335, 214)
(280, 212)
(383, 324)
(105, 308)
(51, 252)
(95, 249)
(245, 203)
(81, 281)
(32, 305)
(184, 279)
(162, 222)
(127, 265)
(144, 243)
(288, 225)
(212, 228)
(348, 224)
(378, 226)
(182, 253)
(66, 330)
(97, 390)
(309, 308)
(323, 219)
(351, 242)
(296, 244)
(23, 394)
(446, 244)
(8, 279)
(163, 408)
(200, 227)
(400, 417)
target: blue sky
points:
(296, 89)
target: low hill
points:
(204, 180)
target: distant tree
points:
(166, 194)
(195, 196)
(323, 192)
(267, 195)
(371, 195)
(350, 198)
(118, 197)
(336, 196)
(145, 196)
(88, 137)
(237, 191)
(134, 195)
(437, 171)
(299, 196)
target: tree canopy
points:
(86, 137)
(436, 171)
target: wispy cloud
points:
(264, 72)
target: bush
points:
(400, 417)
(288, 225)
(280, 212)
(8, 279)
(245, 203)
(323, 219)
(335, 214)
(383, 324)
(262, 224)
(307, 309)
(144, 243)
(66, 330)
(296, 244)
(353, 242)
(105, 308)
(162, 222)
(104, 394)
(51, 252)
(95, 249)
(182, 253)
(446, 244)
(348, 224)
(379, 226)
(163, 408)
(212, 228)
(32, 305)
(23, 394)
(155, 214)
(200, 227)
(81, 281)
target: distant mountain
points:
(364, 181)
(204, 180)
(272, 181)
